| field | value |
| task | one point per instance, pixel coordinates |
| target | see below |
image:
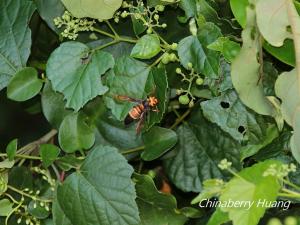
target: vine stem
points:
(31, 146)
(133, 150)
(291, 184)
(291, 192)
(180, 119)
(295, 25)
(27, 195)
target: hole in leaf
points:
(225, 105)
(289, 29)
(241, 129)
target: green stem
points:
(156, 61)
(23, 156)
(105, 45)
(111, 28)
(180, 119)
(133, 150)
(291, 192)
(27, 195)
(129, 40)
(288, 195)
(13, 210)
(104, 33)
(291, 184)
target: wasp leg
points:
(140, 123)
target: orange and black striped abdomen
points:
(135, 113)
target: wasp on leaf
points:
(140, 110)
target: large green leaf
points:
(49, 153)
(53, 106)
(287, 89)
(75, 134)
(48, 10)
(250, 187)
(24, 85)
(270, 14)
(194, 50)
(6, 207)
(11, 149)
(75, 70)
(157, 141)
(98, 9)
(201, 146)
(109, 130)
(147, 47)
(233, 117)
(238, 8)
(135, 79)
(156, 208)
(245, 70)
(15, 41)
(59, 217)
(101, 192)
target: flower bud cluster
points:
(73, 25)
(280, 171)
(149, 16)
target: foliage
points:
(149, 112)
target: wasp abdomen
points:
(136, 111)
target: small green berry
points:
(190, 65)
(160, 8)
(274, 221)
(199, 81)
(156, 17)
(191, 104)
(164, 25)
(178, 91)
(290, 220)
(166, 58)
(173, 57)
(178, 70)
(149, 30)
(184, 99)
(174, 46)
(124, 14)
(137, 16)
(116, 19)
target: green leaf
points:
(286, 88)
(156, 208)
(233, 117)
(24, 85)
(68, 162)
(158, 140)
(137, 24)
(49, 153)
(285, 53)
(3, 182)
(130, 79)
(59, 217)
(109, 130)
(192, 48)
(7, 164)
(228, 48)
(53, 106)
(15, 41)
(251, 149)
(75, 134)
(78, 78)
(270, 14)
(6, 207)
(189, 7)
(238, 8)
(218, 218)
(101, 192)
(245, 76)
(147, 47)
(97, 9)
(201, 146)
(11, 149)
(250, 186)
(38, 211)
(48, 10)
